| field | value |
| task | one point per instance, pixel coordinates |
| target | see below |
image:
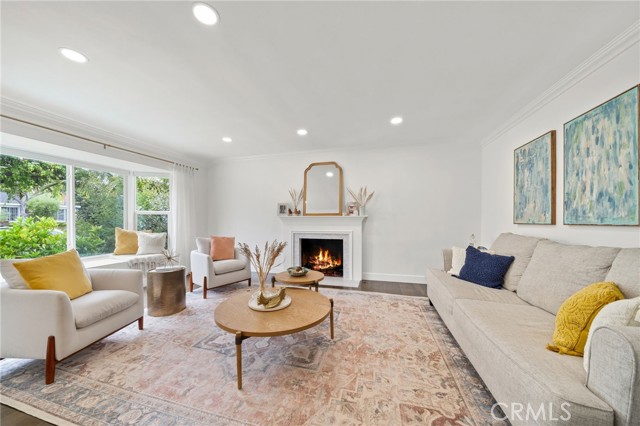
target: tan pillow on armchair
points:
(222, 248)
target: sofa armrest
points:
(117, 279)
(614, 371)
(447, 256)
(29, 317)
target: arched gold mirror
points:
(322, 189)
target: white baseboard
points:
(414, 279)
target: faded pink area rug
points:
(392, 362)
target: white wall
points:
(426, 198)
(616, 76)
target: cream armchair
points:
(209, 274)
(45, 324)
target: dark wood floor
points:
(12, 417)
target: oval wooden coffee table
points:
(311, 278)
(307, 309)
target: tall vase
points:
(363, 211)
(263, 286)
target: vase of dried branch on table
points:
(262, 261)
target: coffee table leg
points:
(239, 356)
(331, 318)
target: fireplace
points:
(323, 255)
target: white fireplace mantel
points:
(348, 226)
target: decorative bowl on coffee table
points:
(297, 271)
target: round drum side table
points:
(166, 291)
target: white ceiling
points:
(454, 70)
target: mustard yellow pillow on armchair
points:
(576, 314)
(62, 272)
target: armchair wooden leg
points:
(249, 282)
(50, 361)
(191, 282)
(141, 323)
(204, 288)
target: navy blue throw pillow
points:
(485, 269)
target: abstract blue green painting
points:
(601, 164)
(534, 177)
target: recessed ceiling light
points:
(73, 55)
(329, 174)
(205, 13)
(396, 120)
(302, 132)
(227, 139)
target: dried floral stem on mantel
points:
(361, 197)
(296, 197)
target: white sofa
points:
(504, 333)
(209, 274)
(45, 324)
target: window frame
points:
(129, 191)
(133, 190)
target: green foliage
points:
(32, 237)
(88, 241)
(20, 177)
(99, 196)
(153, 222)
(43, 206)
(152, 193)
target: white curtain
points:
(183, 212)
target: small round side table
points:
(312, 278)
(166, 291)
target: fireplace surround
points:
(345, 229)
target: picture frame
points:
(283, 209)
(534, 181)
(601, 178)
(352, 209)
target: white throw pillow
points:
(11, 274)
(459, 254)
(149, 243)
(204, 245)
(621, 312)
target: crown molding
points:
(41, 117)
(624, 41)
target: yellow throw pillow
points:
(61, 272)
(576, 314)
(126, 242)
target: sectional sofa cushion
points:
(485, 269)
(519, 246)
(576, 315)
(506, 344)
(448, 289)
(556, 271)
(625, 272)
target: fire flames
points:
(323, 261)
